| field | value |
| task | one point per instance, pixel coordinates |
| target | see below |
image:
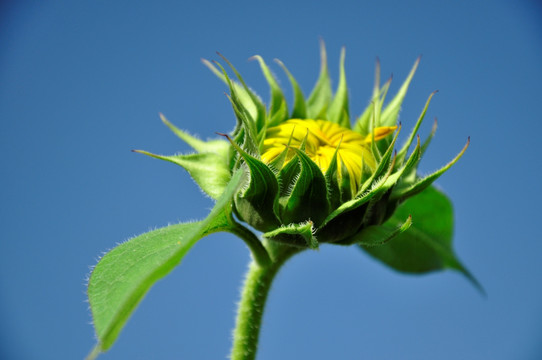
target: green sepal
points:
(247, 135)
(429, 137)
(299, 235)
(347, 183)
(377, 190)
(364, 124)
(427, 245)
(247, 97)
(320, 97)
(355, 203)
(391, 112)
(287, 178)
(278, 163)
(260, 106)
(332, 182)
(382, 144)
(402, 153)
(377, 155)
(378, 235)
(278, 108)
(307, 199)
(219, 147)
(256, 203)
(338, 110)
(383, 164)
(348, 218)
(279, 116)
(208, 170)
(300, 108)
(340, 186)
(123, 276)
(245, 121)
(421, 184)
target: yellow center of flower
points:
(322, 139)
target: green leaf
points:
(338, 110)
(300, 108)
(319, 99)
(427, 245)
(209, 171)
(278, 102)
(123, 276)
(301, 235)
(219, 147)
(391, 112)
(379, 235)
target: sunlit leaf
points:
(427, 245)
(123, 276)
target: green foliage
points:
(125, 274)
(427, 245)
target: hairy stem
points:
(253, 297)
(259, 252)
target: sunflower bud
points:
(312, 175)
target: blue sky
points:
(81, 84)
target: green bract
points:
(333, 180)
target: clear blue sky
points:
(81, 84)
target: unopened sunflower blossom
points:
(303, 175)
(311, 174)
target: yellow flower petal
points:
(322, 139)
(380, 133)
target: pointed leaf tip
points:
(428, 246)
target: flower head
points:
(311, 174)
(303, 176)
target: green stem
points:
(260, 254)
(253, 297)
